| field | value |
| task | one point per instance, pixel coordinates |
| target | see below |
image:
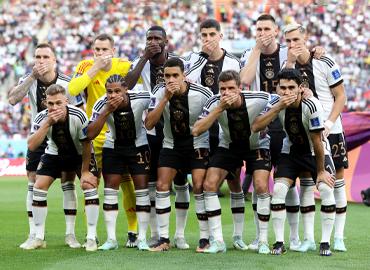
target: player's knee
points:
(260, 186)
(162, 185)
(326, 194)
(281, 188)
(210, 186)
(197, 187)
(234, 185)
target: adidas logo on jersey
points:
(97, 82)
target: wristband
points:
(329, 124)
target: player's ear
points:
(114, 51)
(221, 36)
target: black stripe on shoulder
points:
(196, 65)
(327, 60)
(311, 105)
(212, 100)
(205, 91)
(255, 94)
(64, 77)
(78, 112)
(100, 104)
(157, 87)
(39, 117)
(232, 56)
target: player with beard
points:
(44, 73)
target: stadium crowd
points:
(70, 27)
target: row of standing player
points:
(205, 69)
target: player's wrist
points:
(328, 124)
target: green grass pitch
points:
(14, 229)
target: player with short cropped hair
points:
(68, 153)
(180, 103)
(303, 151)
(235, 110)
(151, 67)
(323, 77)
(212, 60)
(44, 73)
(125, 148)
(89, 78)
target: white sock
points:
(163, 210)
(213, 209)
(255, 215)
(307, 198)
(39, 211)
(278, 211)
(237, 204)
(69, 206)
(341, 207)
(29, 200)
(142, 211)
(153, 216)
(92, 211)
(110, 208)
(263, 210)
(327, 211)
(200, 210)
(292, 212)
(182, 206)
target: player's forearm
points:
(78, 84)
(204, 124)
(248, 72)
(86, 156)
(319, 150)
(36, 139)
(154, 116)
(94, 128)
(19, 92)
(133, 76)
(339, 103)
(262, 121)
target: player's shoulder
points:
(77, 113)
(63, 77)
(200, 89)
(100, 102)
(255, 95)
(215, 99)
(41, 116)
(158, 88)
(327, 60)
(246, 52)
(84, 65)
(138, 94)
(232, 57)
(312, 104)
(122, 62)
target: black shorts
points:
(338, 148)
(276, 143)
(155, 145)
(184, 160)
(54, 165)
(231, 160)
(136, 159)
(33, 159)
(291, 166)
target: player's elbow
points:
(148, 124)
(195, 132)
(31, 145)
(91, 133)
(255, 127)
(12, 101)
